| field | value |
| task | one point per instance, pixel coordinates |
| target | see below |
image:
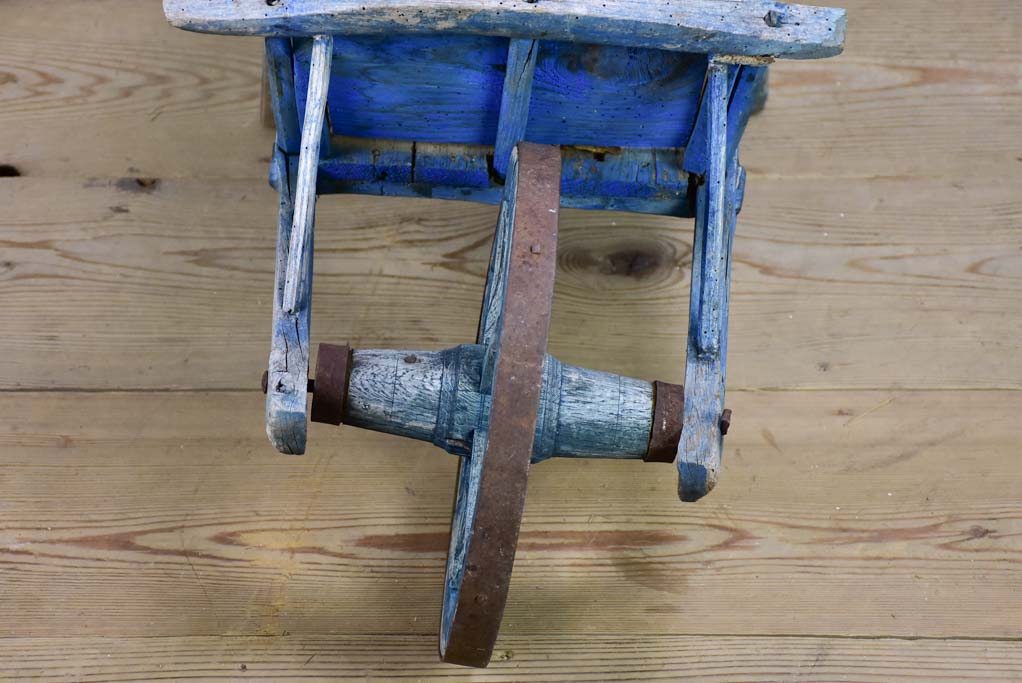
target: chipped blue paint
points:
(640, 180)
(701, 445)
(449, 89)
(288, 372)
(429, 97)
(514, 101)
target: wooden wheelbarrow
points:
(533, 104)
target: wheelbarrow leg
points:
(288, 372)
(717, 201)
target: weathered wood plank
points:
(640, 180)
(288, 365)
(836, 283)
(299, 255)
(553, 658)
(515, 97)
(701, 445)
(280, 82)
(169, 514)
(707, 26)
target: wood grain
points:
(448, 89)
(855, 535)
(837, 283)
(838, 513)
(159, 100)
(704, 26)
(547, 659)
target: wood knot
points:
(616, 264)
(637, 263)
(137, 184)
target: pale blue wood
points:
(752, 27)
(466, 496)
(701, 445)
(288, 372)
(466, 493)
(708, 313)
(490, 319)
(308, 167)
(436, 396)
(282, 94)
(515, 99)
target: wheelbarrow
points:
(534, 105)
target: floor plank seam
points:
(580, 635)
(247, 390)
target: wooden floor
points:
(868, 526)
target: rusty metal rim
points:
(330, 389)
(668, 410)
(469, 631)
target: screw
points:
(536, 248)
(265, 383)
(725, 421)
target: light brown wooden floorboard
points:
(837, 283)
(110, 89)
(544, 659)
(155, 535)
(839, 513)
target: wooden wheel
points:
(490, 493)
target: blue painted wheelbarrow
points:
(533, 104)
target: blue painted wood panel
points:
(643, 180)
(448, 89)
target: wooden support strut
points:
(288, 372)
(699, 451)
(514, 101)
(308, 166)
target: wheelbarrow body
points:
(624, 105)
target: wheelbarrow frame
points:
(698, 176)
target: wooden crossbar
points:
(749, 27)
